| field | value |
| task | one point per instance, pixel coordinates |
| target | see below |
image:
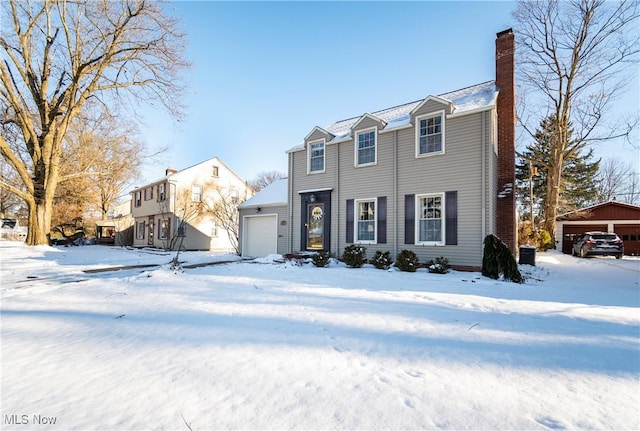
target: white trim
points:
(430, 99)
(369, 116)
(324, 156)
(321, 130)
(471, 111)
(417, 133)
(326, 189)
(356, 148)
(442, 219)
(356, 217)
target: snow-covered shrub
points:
(354, 255)
(439, 265)
(321, 258)
(382, 260)
(407, 261)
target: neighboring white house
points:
(174, 211)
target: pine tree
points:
(578, 186)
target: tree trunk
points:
(553, 193)
(39, 222)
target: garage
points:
(611, 216)
(260, 235)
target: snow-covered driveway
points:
(278, 346)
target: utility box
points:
(527, 255)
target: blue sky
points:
(265, 73)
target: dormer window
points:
(430, 134)
(365, 147)
(316, 157)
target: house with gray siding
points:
(263, 221)
(434, 175)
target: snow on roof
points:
(464, 100)
(275, 193)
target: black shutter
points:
(451, 220)
(409, 218)
(350, 221)
(382, 220)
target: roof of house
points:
(475, 97)
(567, 215)
(273, 194)
(177, 172)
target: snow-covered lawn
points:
(248, 345)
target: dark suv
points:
(598, 244)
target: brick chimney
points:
(506, 111)
(170, 171)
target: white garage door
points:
(261, 236)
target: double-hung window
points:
(366, 221)
(366, 147)
(196, 193)
(316, 157)
(161, 194)
(430, 219)
(140, 227)
(138, 198)
(430, 134)
(164, 228)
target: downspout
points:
(483, 180)
(290, 203)
(337, 227)
(395, 193)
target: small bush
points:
(382, 260)
(407, 261)
(497, 259)
(354, 255)
(546, 242)
(321, 258)
(439, 266)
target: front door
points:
(150, 241)
(315, 226)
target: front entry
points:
(150, 239)
(315, 226)
(315, 232)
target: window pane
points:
(430, 135)
(366, 221)
(316, 158)
(366, 147)
(430, 228)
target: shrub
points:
(321, 258)
(407, 261)
(545, 242)
(354, 255)
(382, 260)
(439, 266)
(497, 259)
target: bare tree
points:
(105, 150)
(224, 208)
(56, 55)
(9, 202)
(575, 57)
(264, 179)
(617, 181)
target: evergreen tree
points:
(578, 186)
